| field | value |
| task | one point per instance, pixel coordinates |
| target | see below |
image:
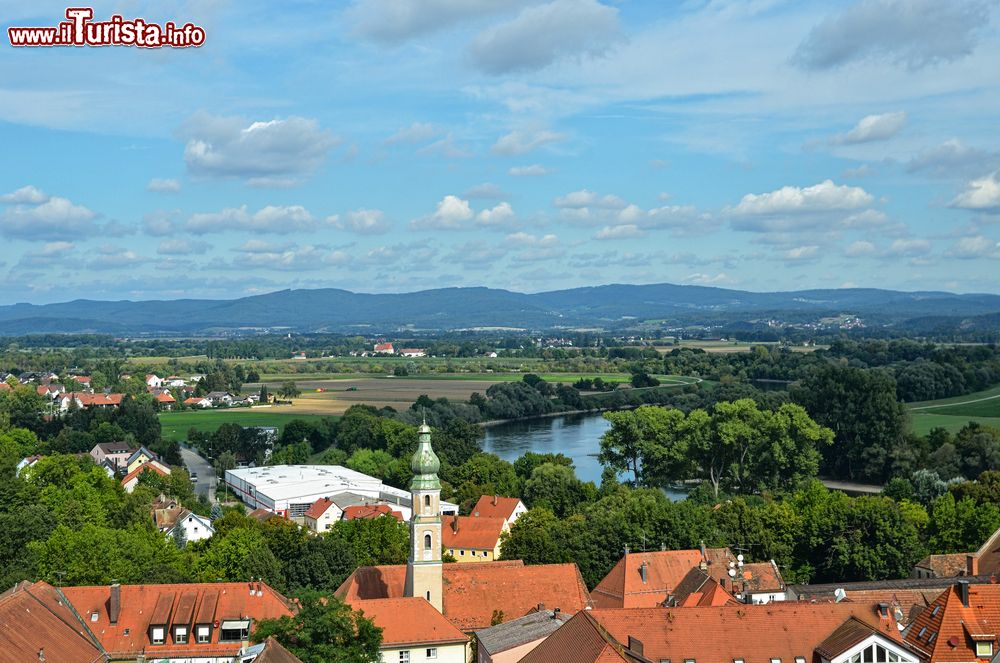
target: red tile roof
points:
(409, 621)
(164, 397)
(946, 566)
(35, 620)
(318, 508)
(753, 633)
(989, 555)
(494, 506)
(471, 532)
(368, 511)
(623, 587)
(96, 400)
(949, 630)
(209, 603)
(152, 465)
(5, 387)
(474, 592)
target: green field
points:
(953, 413)
(176, 424)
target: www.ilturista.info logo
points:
(81, 30)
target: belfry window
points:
(427, 541)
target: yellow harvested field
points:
(338, 395)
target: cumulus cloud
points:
(953, 158)
(50, 253)
(277, 152)
(114, 257)
(418, 132)
(26, 195)
(158, 185)
(290, 258)
(452, 213)
(521, 141)
(539, 36)
(623, 231)
(914, 33)
(527, 239)
(860, 248)
(534, 170)
(182, 247)
(980, 194)
(968, 248)
(394, 21)
(823, 197)
(497, 216)
(362, 222)
(476, 254)
(160, 223)
(909, 247)
(872, 128)
(55, 218)
(708, 279)
(270, 219)
(587, 198)
(801, 253)
(446, 147)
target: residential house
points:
(175, 519)
(164, 400)
(269, 651)
(36, 624)
(962, 624)
(198, 401)
(139, 457)
(511, 641)
(175, 381)
(131, 480)
(28, 462)
(321, 516)
(384, 349)
(83, 399)
(473, 538)
(370, 511)
(782, 631)
(950, 565)
(413, 352)
(197, 377)
(152, 380)
(220, 398)
(698, 588)
(495, 506)
(116, 453)
(208, 622)
(50, 391)
(414, 632)
(5, 387)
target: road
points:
(206, 473)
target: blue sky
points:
(398, 145)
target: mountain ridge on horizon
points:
(611, 305)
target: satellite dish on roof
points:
(739, 558)
(839, 594)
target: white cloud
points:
(527, 239)
(363, 222)
(270, 219)
(497, 216)
(273, 153)
(452, 213)
(823, 197)
(534, 170)
(708, 279)
(53, 219)
(114, 257)
(953, 158)
(160, 223)
(263, 246)
(418, 132)
(802, 252)
(909, 247)
(158, 185)
(182, 247)
(26, 195)
(980, 194)
(975, 247)
(860, 248)
(915, 33)
(624, 231)
(447, 147)
(393, 21)
(519, 141)
(50, 254)
(872, 128)
(869, 218)
(539, 36)
(586, 198)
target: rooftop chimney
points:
(454, 524)
(115, 602)
(555, 613)
(972, 564)
(635, 645)
(962, 587)
(883, 610)
(644, 572)
(495, 499)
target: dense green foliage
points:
(324, 630)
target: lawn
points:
(923, 422)
(176, 424)
(992, 392)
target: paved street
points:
(206, 474)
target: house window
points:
(428, 596)
(158, 635)
(404, 656)
(234, 630)
(203, 634)
(180, 635)
(775, 660)
(800, 659)
(737, 660)
(427, 502)
(432, 652)
(984, 649)
(462, 553)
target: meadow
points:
(953, 413)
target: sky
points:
(401, 145)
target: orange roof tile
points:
(581, 640)
(213, 602)
(318, 508)
(494, 506)
(409, 621)
(949, 630)
(474, 592)
(152, 465)
(35, 620)
(368, 511)
(471, 532)
(164, 397)
(624, 587)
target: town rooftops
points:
(271, 651)
(699, 588)
(475, 593)
(409, 621)
(37, 625)
(494, 506)
(470, 532)
(953, 625)
(123, 617)
(643, 580)
(369, 511)
(947, 566)
(152, 465)
(115, 448)
(791, 632)
(520, 631)
(318, 508)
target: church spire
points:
(423, 568)
(425, 463)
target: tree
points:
(324, 630)
(557, 488)
(240, 555)
(962, 525)
(289, 389)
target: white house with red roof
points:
(413, 631)
(494, 506)
(384, 349)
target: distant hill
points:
(607, 306)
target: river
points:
(575, 435)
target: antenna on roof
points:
(839, 594)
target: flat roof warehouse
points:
(289, 490)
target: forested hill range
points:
(609, 307)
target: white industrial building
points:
(289, 490)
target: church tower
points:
(423, 569)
